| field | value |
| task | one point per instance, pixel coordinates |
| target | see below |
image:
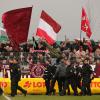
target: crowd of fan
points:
(76, 49)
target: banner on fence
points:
(37, 85)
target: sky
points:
(66, 12)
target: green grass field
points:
(44, 97)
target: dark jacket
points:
(61, 70)
(48, 72)
(78, 72)
(15, 72)
(86, 73)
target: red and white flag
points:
(16, 22)
(85, 24)
(48, 28)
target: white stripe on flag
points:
(48, 29)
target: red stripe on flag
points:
(43, 34)
(56, 27)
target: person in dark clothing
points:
(86, 77)
(78, 76)
(15, 75)
(72, 78)
(75, 45)
(25, 47)
(61, 74)
(2, 49)
(47, 76)
(53, 79)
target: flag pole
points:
(80, 41)
(80, 36)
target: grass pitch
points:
(44, 97)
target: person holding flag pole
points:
(16, 23)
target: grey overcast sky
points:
(66, 12)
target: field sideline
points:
(44, 97)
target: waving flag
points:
(48, 28)
(85, 24)
(16, 23)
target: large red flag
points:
(16, 23)
(48, 28)
(85, 24)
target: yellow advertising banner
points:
(37, 85)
